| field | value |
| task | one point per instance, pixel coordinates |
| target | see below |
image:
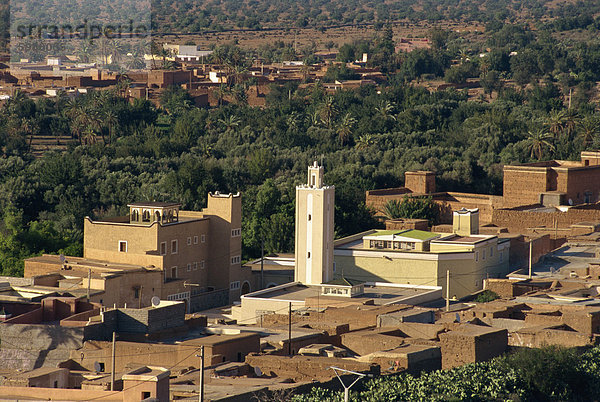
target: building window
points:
(308, 254)
(189, 241)
(189, 267)
(195, 266)
(195, 239)
(122, 246)
(234, 285)
(309, 217)
(476, 255)
(484, 254)
(236, 232)
(236, 259)
(203, 238)
(202, 264)
(173, 272)
(136, 293)
(492, 251)
(174, 246)
(163, 248)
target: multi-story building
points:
(417, 257)
(194, 251)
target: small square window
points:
(174, 246)
(195, 239)
(195, 266)
(189, 267)
(163, 248)
(123, 246)
(189, 241)
(174, 272)
(203, 238)
(202, 264)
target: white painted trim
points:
(426, 256)
(269, 290)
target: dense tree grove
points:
(546, 374)
(125, 151)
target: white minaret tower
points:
(314, 229)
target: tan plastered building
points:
(159, 250)
(416, 257)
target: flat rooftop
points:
(380, 294)
(154, 204)
(462, 239)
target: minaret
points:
(314, 229)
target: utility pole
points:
(262, 259)
(447, 290)
(290, 329)
(530, 257)
(201, 385)
(112, 372)
(88, 284)
(347, 388)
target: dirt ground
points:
(251, 39)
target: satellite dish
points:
(570, 202)
(155, 301)
(62, 259)
(258, 372)
(97, 367)
(457, 318)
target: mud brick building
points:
(553, 182)
(472, 343)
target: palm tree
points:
(556, 122)
(293, 122)
(344, 128)
(385, 110)
(230, 122)
(392, 209)
(589, 127)
(110, 120)
(365, 141)
(328, 111)
(220, 94)
(537, 141)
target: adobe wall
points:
(465, 346)
(520, 221)
(539, 337)
(376, 199)
(45, 345)
(447, 201)
(60, 394)
(410, 358)
(306, 368)
(365, 342)
(524, 184)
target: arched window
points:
(135, 215)
(146, 216)
(157, 216)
